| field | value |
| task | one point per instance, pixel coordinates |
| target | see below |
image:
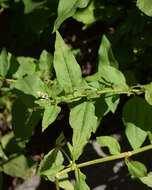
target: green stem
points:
(57, 182)
(109, 158)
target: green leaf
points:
(31, 85)
(67, 9)
(145, 6)
(80, 181)
(148, 93)
(112, 100)
(18, 166)
(136, 169)
(24, 120)
(4, 64)
(65, 61)
(86, 16)
(30, 6)
(65, 183)
(2, 154)
(147, 179)
(137, 119)
(51, 164)
(113, 76)
(110, 142)
(46, 64)
(50, 114)
(26, 65)
(9, 144)
(84, 122)
(105, 54)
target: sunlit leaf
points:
(110, 142)
(84, 122)
(67, 69)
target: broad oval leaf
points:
(68, 71)
(84, 122)
(105, 54)
(145, 6)
(18, 166)
(136, 169)
(80, 181)
(4, 64)
(50, 114)
(110, 142)
(113, 76)
(31, 85)
(137, 119)
(147, 179)
(67, 9)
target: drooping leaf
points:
(136, 169)
(110, 142)
(18, 166)
(148, 93)
(46, 64)
(137, 120)
(113, 76)
(145, 6)
(147, 179)
(65, 61)
(84, 122)
(50, 114)
(65, 183)
(24, 120)
(67, 9)
(80, 181)
(4, 64)
(31, 85)
(51, 164)
(86, 16)
(112, 100)
(105, 54)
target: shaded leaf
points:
(84, 122)
(67, 9)
(4, 64)
(18, 166)
(51, 164)
(80, 181)
(65, 61)
(137, 119)
(136, 169)
(24, 120)
(110, 142)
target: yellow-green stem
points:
(109, 158)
